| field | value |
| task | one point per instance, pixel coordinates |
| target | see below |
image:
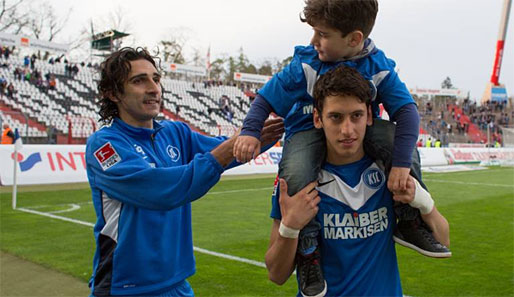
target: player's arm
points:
(127, 177)
(439, 225)
(398, 103)
(419, 198)
(280, 255)
(278, 96)
(405, 137)
(295, 213)
(247, 145)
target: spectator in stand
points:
(3, 86)
(11, 91)
(419, 143)
(26, 61)
(7, 135)
(17, 73)
(33, 61)
(7, 52)
(74, 70)
(52, 82)
(52, 134)
(428, 143)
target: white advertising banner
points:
(477, 155)
(252, 78)
(432, 157)
(266, 162)
(185, 69)
(44, 164)
(57, 164)
(23, 41)
(437, 92)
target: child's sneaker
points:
(312, 282)
(415, 234)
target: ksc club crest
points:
(373, 178)
(173, 152)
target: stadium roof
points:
(103, 41)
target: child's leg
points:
(411, 231)
(302, 157)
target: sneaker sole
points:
(421, 251)
(319, 295)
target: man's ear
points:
(356, 37)
(112, 97)
(318, 123)
(369, 121)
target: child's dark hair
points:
(341, 81)
(343, 15)
(114, 71)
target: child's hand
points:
(406, 196)
(398, 179)
(246, 148)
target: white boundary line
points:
(237, 191)
(467, 183)
(200, 250)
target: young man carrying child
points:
(341, 30)
(351, 200)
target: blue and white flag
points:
(18, 144)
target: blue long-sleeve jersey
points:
(142, 183)
(290, 95)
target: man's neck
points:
(338, 160)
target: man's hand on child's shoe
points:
(246, 148)
(398, 179)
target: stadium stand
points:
(71, 104)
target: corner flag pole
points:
(17, 146)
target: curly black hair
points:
(114, 72)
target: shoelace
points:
(427, 234)
(312, 270)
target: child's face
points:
(330, 44)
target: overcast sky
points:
(429, 39)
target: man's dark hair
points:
(114, 72)
(341, 81)
(343, 15)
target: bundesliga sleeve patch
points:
(107, 156)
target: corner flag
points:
(18, 145)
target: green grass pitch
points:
(233, 219)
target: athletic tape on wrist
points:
(422, 200)
(287, 232)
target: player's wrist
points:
(422, 200)
(288, 232)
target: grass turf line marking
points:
(73, 207)
(467, 183)
(56, 217)
(237, 191)
(200, 250)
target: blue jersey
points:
(142, 183)
(290, 91)
(357, 219)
